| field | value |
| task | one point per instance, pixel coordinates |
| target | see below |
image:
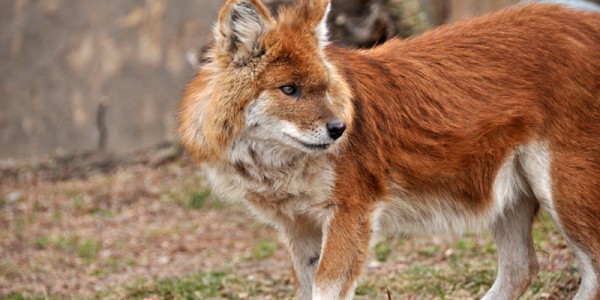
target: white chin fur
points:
(260, 126)
(316, 140)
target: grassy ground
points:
(148, 228)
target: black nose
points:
(336, 128)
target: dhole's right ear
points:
(242, 25)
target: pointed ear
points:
(242, 25)
(322, 29)
(311, 14)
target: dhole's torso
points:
(442, 123)
(471, 126)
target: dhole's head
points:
(266, 80)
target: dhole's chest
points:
(275, 188)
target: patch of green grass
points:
(104, 213)
(462, 244)
(489, 248)
(131, 262)
(198, 199)
(56, 217)
(112, 265)
(66, 243)
(382, 250)
(37, 206)
(475, 279)
(429, 251)
(264, 249)
(2, 202)
(557, 285)
(77, 203)
(399, 242)
(22, 296)
(40, 242)
(427, 282)
(543, 229)
(419, 271)
(218, 204)
(468, 245)
(195, 286)
(193, 197)
(18, 227)
(10, 270)
(536, 286)
(423, 280)
(88, 249)
(366, 289)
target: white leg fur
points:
(589, 278)
(330, 290)
(304, 243)
(536, 164)
(517, 262)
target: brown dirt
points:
(81, 225)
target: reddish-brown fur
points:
(464, 95)
(433, 115)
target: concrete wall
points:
(61, 61)
(84, 75)
(461, 9)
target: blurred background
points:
(97, 201)
(107, 75)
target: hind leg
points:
(572, 198)
(575, 207)
(589, 288)
(517, 262)
(584, 241)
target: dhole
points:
(468, 127)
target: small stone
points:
(374, 264)
(14, 197)
(163, 260)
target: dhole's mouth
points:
(316, 146)
(324, 146)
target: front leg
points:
(303, 239)
(346, 245)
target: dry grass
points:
(146, 231)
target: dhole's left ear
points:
(314, 14)
(322, 29)
(242, 25)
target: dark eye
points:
(290, 90)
